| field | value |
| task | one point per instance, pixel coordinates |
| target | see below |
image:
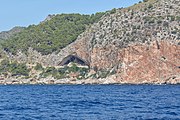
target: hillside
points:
(138, 44)
(53, 34)
(7, 34)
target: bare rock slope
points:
(141, 43)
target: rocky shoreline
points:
(134, 45)
(104, 81)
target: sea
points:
(90, 102)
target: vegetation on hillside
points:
(8, 68)
(60, 73)
(51, 35)
(7, 34)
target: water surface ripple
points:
(90, 102)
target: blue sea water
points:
(90, 102)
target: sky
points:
(26, 12)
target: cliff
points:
(138, 44)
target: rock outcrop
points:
(141, 43)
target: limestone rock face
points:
(157, 62)
(141, 43)
(150, 64)
(135, 43)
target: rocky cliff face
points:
(141, 43)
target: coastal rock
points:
(141, 44)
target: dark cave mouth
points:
(73, 59)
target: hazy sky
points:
(26, 12)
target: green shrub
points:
(113, 11)
(171, 18)
(50, 70)
(178, 18)
(159, 22)
(174, 32)
(150, 6)
(73, 68)
(38, 67)
(4, 66)
(61, 73)
(16, 69)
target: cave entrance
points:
(74, 59)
